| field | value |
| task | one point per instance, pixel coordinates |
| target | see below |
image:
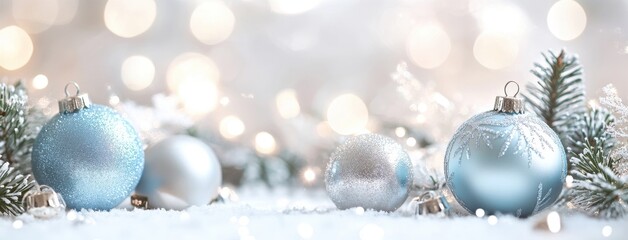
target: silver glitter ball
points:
(369, 171)
(180, 171)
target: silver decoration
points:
(180, 171)
(369, 171)
(43, 202)
(431, 203)
(505, 162)
(74, 103)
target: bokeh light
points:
(212, 22)
(553, 222)
(17, 224)
(347, 114)
(40, 81)
(400, 132)
(193, 77)
(291, 7)
(569, 181)
(492, 220)
(309, 175)
(607, 231)
(287, 103)
(501, 17)
(129, 18)
(16, 47)
(198, 96)
(191, 67)
(566, 20)
(35, 16)
(137, 72)
(479, 212)
(265, 143)
(495, 51)
(411, 142)
(231, 127)
(428, 45)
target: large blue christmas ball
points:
(509, 163)
(92, 156)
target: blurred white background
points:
(233, 58)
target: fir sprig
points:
(16, 141)
(16, 137)
(597, 188)
(559, 93)
(592, 129)
(13, 187)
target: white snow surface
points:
(293, 214)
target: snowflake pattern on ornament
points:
(517, 138)
(542, 202)
(520, 130)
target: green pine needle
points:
(592, 130)
(597, 188)
(16, 137)
(559, 93)
(16, 141)
(13, 187)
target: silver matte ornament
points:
(180, 171)
(369, 171)
(505, 161)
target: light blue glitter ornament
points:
(89, 154)
(505, 161)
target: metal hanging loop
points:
(73, 103)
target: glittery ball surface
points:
(369, 171)
(93, 157)
(505, 163)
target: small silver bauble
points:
(369, 171)
(505, 161)
(180, 171)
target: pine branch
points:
(597, 189)
(592, 130)
(559, 93)
(13, 187)
(16, 136)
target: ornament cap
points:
(139, 201)
(44, 202)
(74, 103)
(509, 104)
(431, 203)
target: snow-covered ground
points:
(293, 214)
